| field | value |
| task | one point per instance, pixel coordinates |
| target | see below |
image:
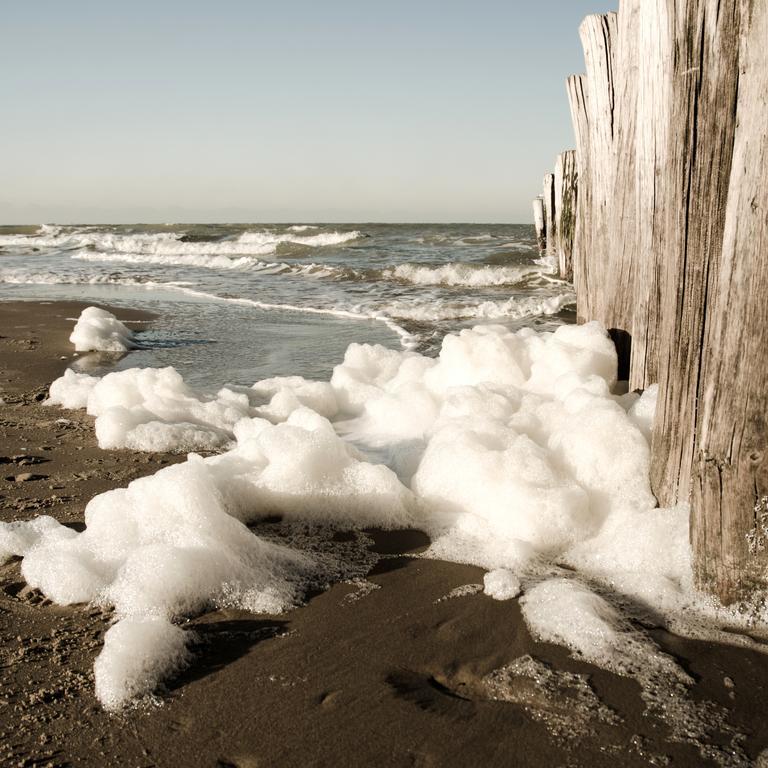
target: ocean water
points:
(241, 303)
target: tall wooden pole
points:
(654, 201)
(729, 524)
(578, 98)
(705, 82)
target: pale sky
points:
(300, 110)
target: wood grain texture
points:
(611, 54)
(598, 35)
(730, 488)
(617, 300)
(577, 90)
(701, 134)
(654, 202)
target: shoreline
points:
(43, 328)
(389, 676)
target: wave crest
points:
(510, 309)
(461, 274)
(174, 244)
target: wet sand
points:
(387, 671)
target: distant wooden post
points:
(578, 96)
(539, 222)
(566, 196)
(548, 194)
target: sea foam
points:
(509, 449)
(100, 331)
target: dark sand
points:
(393, 678)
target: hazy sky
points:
(287, 110)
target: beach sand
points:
(383, 672)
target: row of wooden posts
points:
(660, 218)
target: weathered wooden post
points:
(577, 97)
(539, 222)
(618, 285)
(730, 479)
(610, 55)
(655, 201)
(702, 123)
(548, 194)
(598, 34)
(566, 197)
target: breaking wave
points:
(460, 274)
(450, 275)
(17, 277)
(174, 244)
(514, 308)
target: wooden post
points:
(578, 98)
(548, 195)
(620, 238)
(730, 489)
(705, 83)
(566, 181)
(611, 57)
(539, 222)
(598, 33)
(654, 201)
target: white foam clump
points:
(642, 410)
(137, 654)
(562, 611)
(175, 543)
(17, 538)
(151, 409)
(287, 393)
(99, 330)
(509, 450)
(501, 584)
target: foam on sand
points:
(137, 654)
(100, 331)
(501, 584)
(509, 450)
